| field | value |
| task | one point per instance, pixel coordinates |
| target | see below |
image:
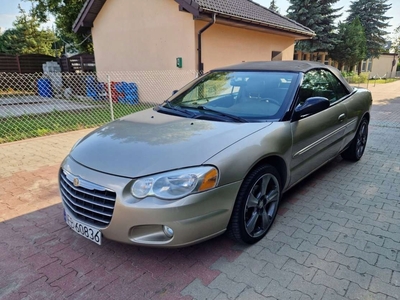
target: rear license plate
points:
(84, 230)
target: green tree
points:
(26, 37)
(372, 17)
(351, 47)
(273, 6)
(318, 16)
(65, 13)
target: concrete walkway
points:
(337, 235)
(20, 106)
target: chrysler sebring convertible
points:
(215, 157)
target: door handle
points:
(342, 117)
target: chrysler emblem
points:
(76, 181)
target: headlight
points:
(176, 184)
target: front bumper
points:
(193, 219)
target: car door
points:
(317, 138)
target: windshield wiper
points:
(179, 109)
(232, 117)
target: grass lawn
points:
(380, 81)
(28, 126)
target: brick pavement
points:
(336, 236)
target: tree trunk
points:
(359, 67)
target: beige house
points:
(382, 67)
(138, 35)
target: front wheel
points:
(256, 205)
(358, 144)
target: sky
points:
(9, 11)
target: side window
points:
(339, 90)
(321, 83)
(314, 84)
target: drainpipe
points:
(200, 63)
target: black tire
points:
(255, 209)
(358, 144)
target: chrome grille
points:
(88, 202)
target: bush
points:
(348, 73)
(364, 77)
(353, 77)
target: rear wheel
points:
(357, 146)
(256, 205)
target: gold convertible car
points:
(215, 157)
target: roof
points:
(245, 11)
(242, 11)
(87, 15)
(298, 66)
(286, 65)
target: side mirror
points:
(312, 106)
(174, 92)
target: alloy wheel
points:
(261, 205)
(361, 139)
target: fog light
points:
(168, 231)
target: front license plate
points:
(84, 230)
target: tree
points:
(351, 47)
(26, 37)
(319, 16)
(372, 17)
(396, 47)
(273, 7)
(396, 40)
(65, 13)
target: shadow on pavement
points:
(41, 256)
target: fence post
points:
(18, 63)
(110, 97)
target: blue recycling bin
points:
(91, 87)
(45, 88)
(131, 95)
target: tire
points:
(256, 205)
(358, 144)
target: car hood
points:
(149, 142)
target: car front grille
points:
(88, 202)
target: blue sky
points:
(9, 10)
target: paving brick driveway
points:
(337, 235)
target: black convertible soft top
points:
(298, 66)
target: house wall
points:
(383, 65)
(378, 67)
(143, 36)
(224, 45)
(139, 41)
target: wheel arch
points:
(366, 116)
(278, 163)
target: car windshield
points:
(241, 96)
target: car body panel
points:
(357, 107)
(148, 142)
(316, 139)
(194, 218)
(274, 140)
